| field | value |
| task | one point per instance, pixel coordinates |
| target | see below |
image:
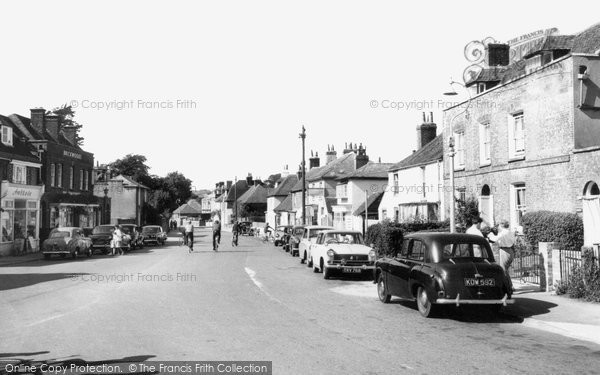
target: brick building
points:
(66, 172)
(529, 139)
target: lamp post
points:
(104, 211)
(452, 151)
(303, 137)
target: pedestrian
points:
(235, 232)
(474, 226)
(189, 235)
(216, 234)
(116, 243)
(506, 242)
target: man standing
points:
(216, 234)
(506, 243)
(235, 233)
(189, 235)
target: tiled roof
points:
(489, 75)
(431, 152)
(373, 202)
(588, 41)
(20, 150)
(285, 186)
(551, 43)
(255, 195)
(285, 205)
(186, 209)
(336, 168)
(239, 188)
(371, 170)
(309, 174)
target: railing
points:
(526, 268)
(567, 260)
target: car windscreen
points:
(464, 250)
(347, 238)
(151, 230)
(126, 230)
(314, 232)
(60, 234)
(299, 231)
(102, 230)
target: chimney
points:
(249, 179)
(70, 133)
(331, 155)
(426, 131)
(52, 126)
(361, 158)
(314, 161)
(498, 54)
(347, 149)
(285, 172)
(257, 182)
(37, 120)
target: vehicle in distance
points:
(65, 241)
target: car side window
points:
(404, 249)
(418, 251)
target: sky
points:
(220, 89)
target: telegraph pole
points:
(235, 200)
(303, 137)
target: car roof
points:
(62, 229)
(323, 227)
(152, 226)
(340, 231)
(446, 237)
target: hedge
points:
(584, 280)
(387, 235)
(566, 229)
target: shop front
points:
(20, 218)
(74, 215)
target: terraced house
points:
(529, 139)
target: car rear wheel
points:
(75, 254)
(382, 290)
(426, 308)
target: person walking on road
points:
(234, 232)
(189, 235)
(216, 235)
(117, 239)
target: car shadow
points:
(516, 313)
(21, 280)
(17, 360)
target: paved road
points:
(255, 302)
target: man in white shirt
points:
(506, 242)
(189, 235)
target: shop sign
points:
(73, 155)
(22, 192)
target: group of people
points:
(116, 243)
(504, 239)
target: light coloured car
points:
(309, 236)
(342, 252)
(65, 241)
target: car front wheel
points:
(426, 308)
(382, 290)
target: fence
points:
(567, 259)
(526, 268)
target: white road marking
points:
(260, 286)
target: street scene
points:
(299, 188)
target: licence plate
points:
(479, 282)
(352, 270)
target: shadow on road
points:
(14, 281)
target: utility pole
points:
(235, 200)
(303, 136)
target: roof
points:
(493, 74)
(431, 152)
(237, 190)
(128, 181)
(35, 135)
(285, 205)
(285, 186)
(336, 168)
(20, 149)
(373, 202)
(257, 194)
(588, 41)
(309, 174)
(371, 170)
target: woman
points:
(117, 238)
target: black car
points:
(443, 269)
(294, 239)
(102, 235)
(135, 232)
(245, 228)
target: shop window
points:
(6, 221)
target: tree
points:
(133, 166)
(468, 211)
(66, 116)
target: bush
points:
(467, 211)
(387, 235)
(584, 281)
(564, 228)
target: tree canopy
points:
(66, 116)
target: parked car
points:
(67, 241)
(154, 234)
(102, 235)
(135, 232)
(443, 269)
(245, 228)
(343, 252)
(282, 234)
(294, 239)
(309, 235)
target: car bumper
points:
(54, 252)
(364, 267)
(457, 301)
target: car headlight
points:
(330, 253)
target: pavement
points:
(541, 310)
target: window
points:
(484, 144)
(519, 206)
(404, 250)
(396, 214)
(81, 179)
(418, 251)
(71, 177)
(52, 175)
(59, 175)
(396, 184)
(7, 136)
(459, 146)
(516, 136)
(383, 214)
(19, 174)
(86, 184)
(461, 194)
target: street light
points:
(452, 152)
